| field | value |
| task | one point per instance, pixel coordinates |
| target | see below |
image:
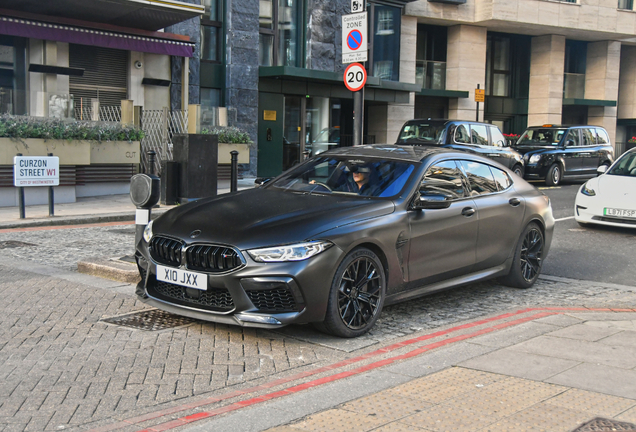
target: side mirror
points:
(569, 143)
(501, 143)
(260, 181)
(601, 169)
(431, 202)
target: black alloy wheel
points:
(357, 295)
(518, 169)
(528, 259)
(553, 178)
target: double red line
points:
(338, 376)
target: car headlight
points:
(587, 191)
(534, 159)
(148, 232)
(295, 252)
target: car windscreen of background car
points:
(541, 137)
(626, 166)
(335, 175)
(421, 133)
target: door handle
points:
(468, 211)
(514, 202)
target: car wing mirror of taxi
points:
(431, 202)
(569, 143)
(261, 181)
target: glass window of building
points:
(574, 71)
(211, 23)
(498, 66)
(430, 57)
(279, 32)
(626, 4)
(386, 41)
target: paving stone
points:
(601, 404)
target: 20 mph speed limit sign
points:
(355, 76)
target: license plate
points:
(619, 212)
(182, 277)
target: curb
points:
(77, 220)
(120, 271)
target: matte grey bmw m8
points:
(336, 238)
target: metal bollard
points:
(151, 162)
(51, 197)
(234, 171)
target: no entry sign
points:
(355, 76)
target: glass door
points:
(292, 131)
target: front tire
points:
(528, 258)
(553, 178)
(357, 295)
(518, 169)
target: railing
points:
(104, 113)
(430, 74)
(159, 127)
(573, 86)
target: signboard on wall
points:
(36, 171)
(354, 38)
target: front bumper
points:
(535, 171)
(264, 295)
(591, 210)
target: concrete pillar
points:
(627, 83)
(547, 65)
(601, 82)
(185, 83)
(465, 68)
(194, 118)
(136, 67)
(127, 112)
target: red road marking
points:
(55, 227)
(295, 389)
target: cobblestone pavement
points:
(62, 367)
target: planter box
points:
(72, 152)
(224, 153)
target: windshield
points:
(347, 176)
(625, 165)
(421, 133)
(541, 136)
(328, 135)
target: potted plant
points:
(231, 138)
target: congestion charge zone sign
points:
(36, 171)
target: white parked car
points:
(610, 198)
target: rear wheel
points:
(528, 258)
(357, 295)
(518, 169)
(553, 178)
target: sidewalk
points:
(108, 208)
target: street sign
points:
(354, 37)
(355, 76)
(357, 6)
(36, 171)
(480, 95)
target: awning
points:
(86, 36)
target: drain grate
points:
(14, 244)
(150, 320)
(605, 425)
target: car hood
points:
(618, 191)
(266, 216)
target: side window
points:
(602, 136)
(573, 136)
(462, 135)
(498, 139)
(443, 179)
(479, 134)
(480, 178)
(501, 178)
(589, 136)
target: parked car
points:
(308, 247)
(553, 153)
(610, 199)
(481, 138)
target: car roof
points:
(553, 126)
(407, 153)
(443, 121)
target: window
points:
(573, 138)
(498, 139)
(480, 178)
(498, 66)
(501, 178)
(211, 23)
(385, 56)
(479, 134)
(430, 57)
(461, 134)
(602, 136)
(626, 4)
(589, 136)
(278, 39)
(443, 180)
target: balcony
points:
(430, 74)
